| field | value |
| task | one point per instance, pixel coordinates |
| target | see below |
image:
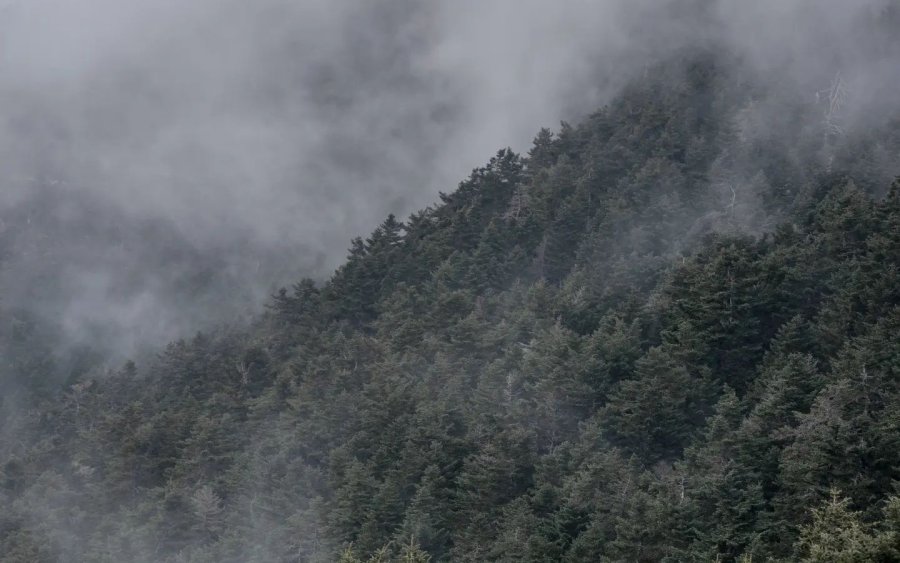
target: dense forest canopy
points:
(666, 333)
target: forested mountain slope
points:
(668, 333)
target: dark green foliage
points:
(655, 338)
(654, 414)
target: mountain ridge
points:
(665, 334)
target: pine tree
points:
(655, 413)
(836, 535)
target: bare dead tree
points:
(244, 372)
(518, 204)
(835, 98)
(207, 507)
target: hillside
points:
(667, 333)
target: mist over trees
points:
(665, 331)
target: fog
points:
(164, 165)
